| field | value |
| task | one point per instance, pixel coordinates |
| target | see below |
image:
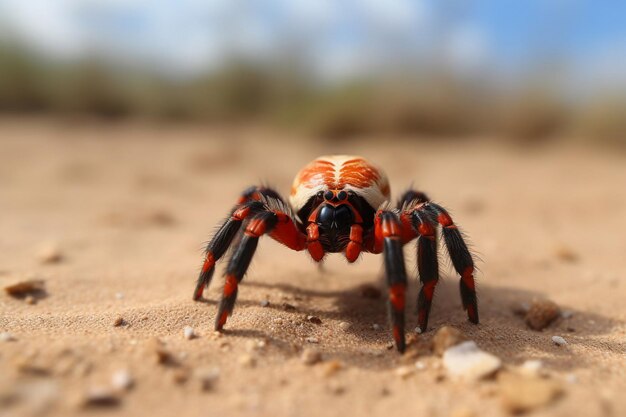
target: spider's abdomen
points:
(340, 172)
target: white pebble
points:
(122, 380)
(189, 333)
(559, 341)
(531, 367)
(344, 325)
(265, 303)
(420, 366)
(466, 360)
(312, 340)
(7, 337)
(418, 330)
(376, 326)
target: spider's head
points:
(334, 218)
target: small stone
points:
(50, 254)
(420, 366)
(376, 326)
(389, 346)
(531, 367)
(370, 291)
(122, 380)
(29, 299)
(345, 326)
(418, 330)
(100, 397)
(312, 340)
(188, 333)
(207, 378)
(404, 371)
(445, 338)
(314, 319)
(310, 356)
(467, 361)
(288, 307)
(265, 303)
(247, 360)
(541, 314)
(559, 341)
(180, 376)
(7, 337)
(565, 253)
(332, 367)
(23, 288)
(118, 321)
(522, 394)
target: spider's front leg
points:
(252, 201)
(388, 238)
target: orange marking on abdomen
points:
(318, 172)
(230, 286)
(358, 173)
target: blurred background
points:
(531, 71)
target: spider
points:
(341, 204)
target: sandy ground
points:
(129, 207)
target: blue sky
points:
(339, 38)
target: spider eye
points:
(328, 195)
(342, 195)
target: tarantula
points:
(341, 204)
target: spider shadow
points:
(501, 331)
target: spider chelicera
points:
(341, 204)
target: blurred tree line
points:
(417, 102)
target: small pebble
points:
(467, 361)
(207, 377)
(332, 368)
(310, 356)
(265, 303)
(565, 253)
(376, 326)
(312, 340)
(418, 330)
(445, 338)
(189, 333)
(247, 360)
(7, 337)
(29, 299)
(531, 367)
(122, 380)
(99, 397)
(521, 394)
(404, 371)
(288, 307)
(24, 288)
(344, 325)
(420, 366)
(180, 376)
(118, 321)
(559, 341)
(314, 319)
(541, 314)
(50, 254)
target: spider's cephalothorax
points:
(341, 204)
